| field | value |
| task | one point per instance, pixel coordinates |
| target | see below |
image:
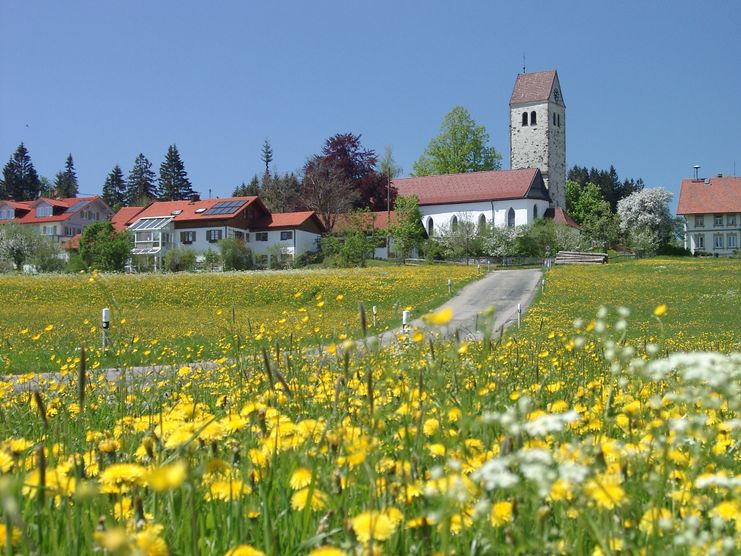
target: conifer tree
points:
(247, 189)
(114, 188)
(266, 155)
(173, 181)
(20, 178)
(65, 183)
(140, 186)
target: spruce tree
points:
(20, 178)
(174, 182)
(114, 188)
(266, 155)
(140, 186)
(247, 189)
(65, 183)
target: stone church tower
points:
(537, 130)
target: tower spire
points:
(523, 63)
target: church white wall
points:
(442, 215)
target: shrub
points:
(211, 260)
(47, 257)
(180, 260)
(235, 254)
(103, 248)
(75, 264)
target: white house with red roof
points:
(496, 198)
(200, 224)
(58, 219)
(712, 212)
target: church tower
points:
(537, 130)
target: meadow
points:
(180, 318)
(581, 433)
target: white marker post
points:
(542, 285)
(106, 324)
(519, 315)
(450, 286)
(375, 314)
(405, 318)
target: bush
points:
(235, 254)
(211, 260)
(180, 260)
(75, 264)
(102, 248)
(48, 256)
(673, 251)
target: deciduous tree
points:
(460, 147)
(407, 229)
(647, 209)
(102, 248)
(326, 190)
(18, 243)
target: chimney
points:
(195, 197)
(719, 175)
(697, 171)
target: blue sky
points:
(651, 87)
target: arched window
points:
(533, 118)
(524, 118)
(482, 223)
(430, 227)
(559, 120)
(453, 223)
(554, 118)
(511, 218)
(535, 211)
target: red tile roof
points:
(719, 195)
(473, 186)
(287, 220)
(560, 216)
(533, 87)
(124, 217)
(31, 218)
(379, 220)
(188, 208)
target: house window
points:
(730, 220)
(718, 220)
(699, 221)
(732, 241)
(453, 223)
(718, 241)
(261, 236)
(238, 235)
(430, 227)
(535, 211)
(43, 211)
(511, 218)
(524, 119)
(212, 236)
(533, 118)
(286, 235)
(7, 214)
(558, 117)
(187, 237)
(554, 118)
(700, 241)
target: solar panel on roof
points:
(77, 206)
(225, 207)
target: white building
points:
(499, 198)
(712, 213)
(57, 219)
(200, 224)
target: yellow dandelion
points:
(660, 310)
(372, 525)
(300, 498)
(167, 477)
(327, 551)
(438, 318)
(501, 513)
(301, 478)
(244, 550)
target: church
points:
(534, 187)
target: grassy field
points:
(187, 317)
(554, 440)
(703, 297)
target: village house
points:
(712, 215)
(200, 224)
(57, 219)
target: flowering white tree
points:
(17, 244)
(647, 210)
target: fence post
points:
(105, 325)
(405, 316)
(375, 314)
(450, 286)
(519, 315)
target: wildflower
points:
(301, 478)
(727, 510)
(660, 310)
(501, 513)
(300, 497)
(606, 491)
(661, 517)
(167, 477)
(227, 490)
(372, 525)
(120, 477)
(443, 316)
(327, 551)
(244, 550)
(15, 535)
